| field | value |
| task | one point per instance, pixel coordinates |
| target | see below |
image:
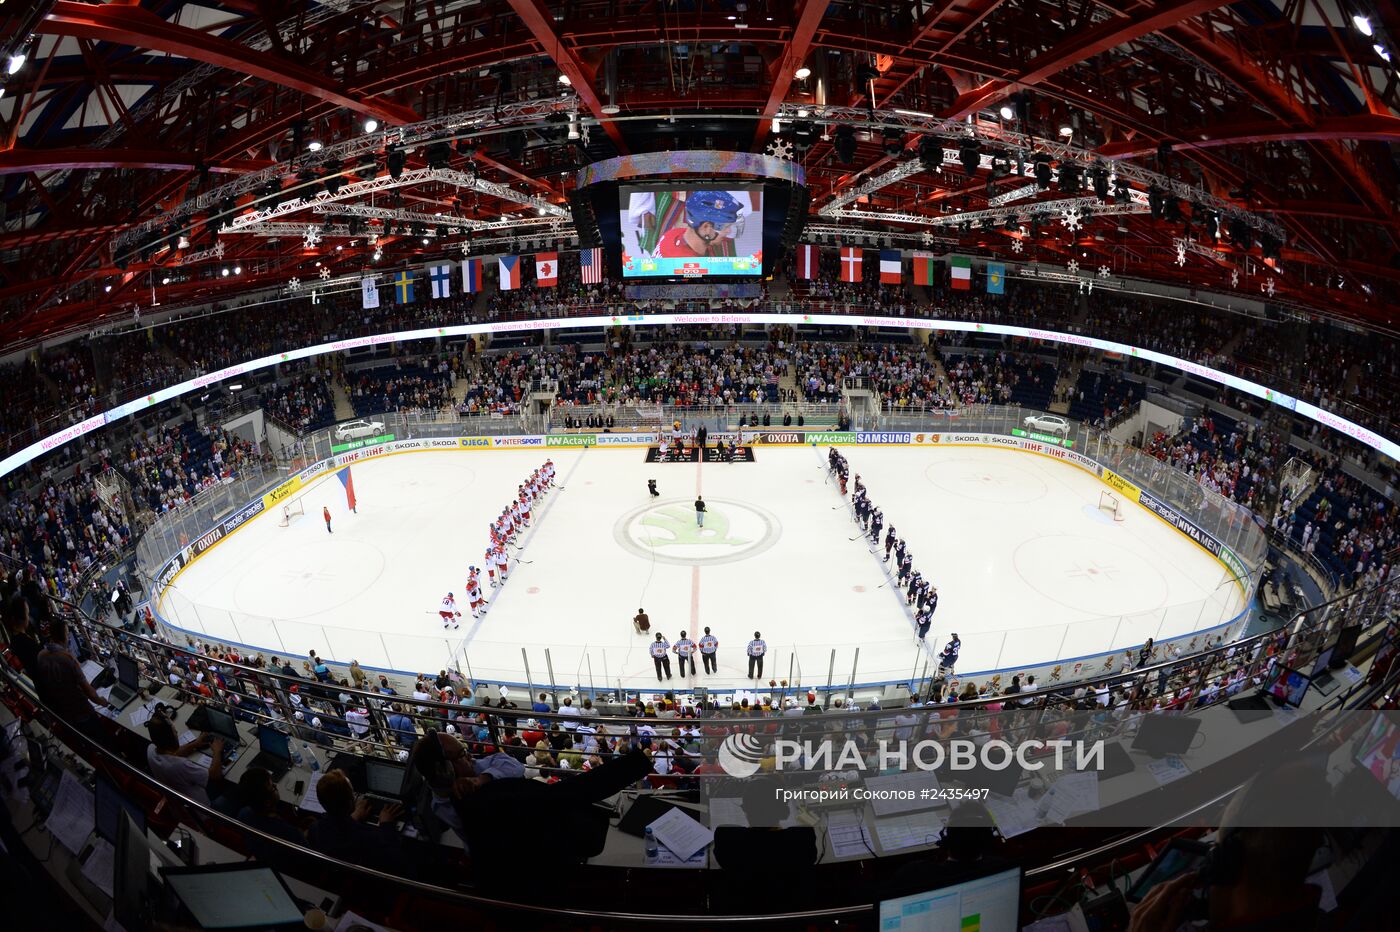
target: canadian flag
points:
(546, 269)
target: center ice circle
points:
(335, 573)
(667, 532)
(986, 480)
(1085, 574)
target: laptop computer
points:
(274, 752)
(128, 684)
(384, 780)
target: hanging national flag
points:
(807, 257)
(403, 288)
(850, 263)
(590, 264)
(891, 267)
(923, 268)
(441, 276)
(349, 483)
(996, 278)
(546, 269)
(509, 267)
(471, 276)
(961, 267)
(369, 292)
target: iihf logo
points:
(739, 755)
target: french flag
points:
(807, 261)
(509, 267)
(349, 483)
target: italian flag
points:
(923, 268)
(961, 267)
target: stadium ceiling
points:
(134, 135)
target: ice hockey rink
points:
(1029, 569)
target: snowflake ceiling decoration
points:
(466, 248)
(1181, 253)
(219, 249)
(780, 148)
(1235, 278)
(313, 236)
(1268, 287)
(1017, 245)
(1073, 266)
(927, 237)
(1103, 271)
(325, 272)
(294, 284)
(1072, 219)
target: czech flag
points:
(349, 483)
(509, 267)
(806, 261)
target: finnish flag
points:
(441, 277)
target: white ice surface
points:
(1029, 571)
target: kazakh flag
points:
(996, 278)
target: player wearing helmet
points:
(708, 217)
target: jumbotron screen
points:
(694, 232)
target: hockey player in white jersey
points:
(474, 599)
(448, 611)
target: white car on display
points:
(351, 430)
(1048, 424)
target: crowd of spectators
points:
(414, 386)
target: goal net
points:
(290, 510)
(1112, 504)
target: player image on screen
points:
(692, 233)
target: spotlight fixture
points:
(844, 142)
(1071, 181)
(1066, 130)
(238, 270)
(163, 281)
(1240, 236)
(1042, 171)
(107, 288)
(802, 73)
(1155, 201)
(930, 154)
(224, 272)
(394, 159)
(1007, 113)
(313, 146)
(1362, 24)
(565, 80)
(16, 62)
(438, 154)
(970, 155)
(371, 125)
(1098, 177)
(894, 142)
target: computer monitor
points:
(1163, 733)
(128, 673)
(1345, 644)
(1289, 687)
(219, 722)
(131, 872)
(239, 895)
(1378, 752)
(274, 742)
(987, 904)
(108, 805)
(1323, 661)
(384, 779)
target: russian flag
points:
(471, 276)
(807, 261)
(349, 483)
(509, 267)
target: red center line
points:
(695, 570)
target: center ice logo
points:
(667, 532)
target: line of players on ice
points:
(920, 594)
(514, 518)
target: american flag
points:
(590, 263)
